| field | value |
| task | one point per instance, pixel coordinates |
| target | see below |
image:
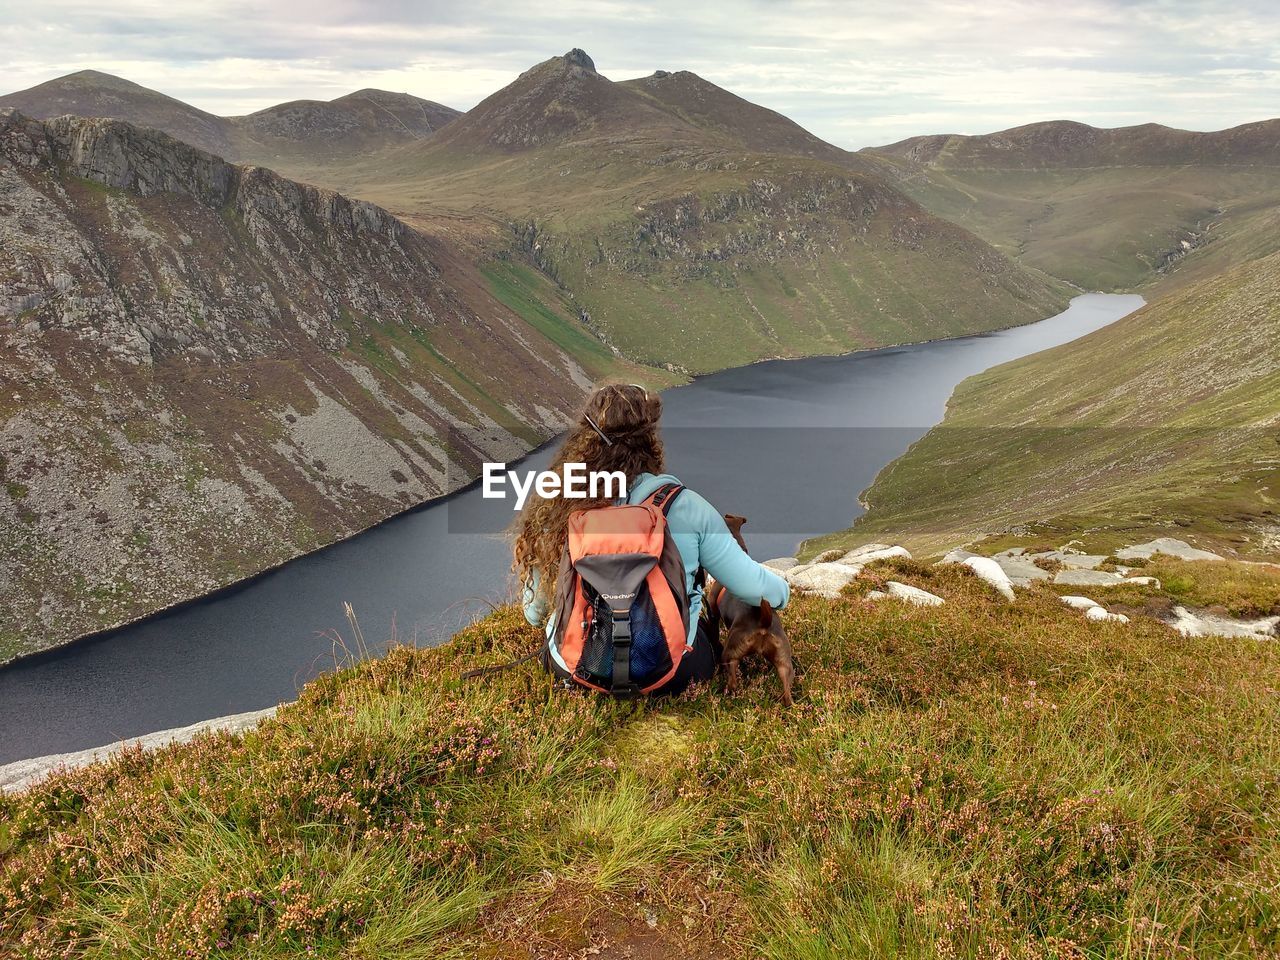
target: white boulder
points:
(990, 571)
(824, 579)
(1092, 609)
(1168, 546)
(1022, 571)
(1144, 581)
(921, 598)
(871, 552)
(782, 564)
(1087, 578)
(1201, 623)
(1098, 615)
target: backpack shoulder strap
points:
(664, 497)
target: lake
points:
(787, 443)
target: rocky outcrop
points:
(23, 773)
(1204, 623)
(1170, 547)
(902, 591)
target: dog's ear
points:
(734, 523)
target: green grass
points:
(690, 264)
(1161, 424)
(977, 780)
(1103, 227)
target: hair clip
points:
(596, 428)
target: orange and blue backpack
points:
(622, 609)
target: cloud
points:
(854, 74)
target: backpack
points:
(622, 612)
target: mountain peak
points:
(577, 57)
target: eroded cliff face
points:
(206, 369)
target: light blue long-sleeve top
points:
(703, 540)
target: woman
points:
(618, 430)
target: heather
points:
(981, 779)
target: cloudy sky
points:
(855, 73)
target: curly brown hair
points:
(628, 415)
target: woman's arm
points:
(723, 559)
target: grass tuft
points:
(981, 779)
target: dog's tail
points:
(766, 614)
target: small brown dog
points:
(750, 630)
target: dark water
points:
(789, 444)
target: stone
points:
(824, 579)
(782, 564)
(1202, 623)
(578, 58)
(921, 598)
(959, 555)
(1079, 603)
(1169, 547)
(1144, 581)
(1087, 578)
(1078, 561)
(871, 552)
(990, 571)
(1020, 570)
(1099, 615)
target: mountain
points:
(1164, 423)
(295, 135)
(207, 369)
(1103, 209)
(1064, 143)
(366, 114)
(90, 93)
(694, 229)
(712, 109)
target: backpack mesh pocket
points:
(650, 657)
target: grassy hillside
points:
(1104, 209)
(977, 780)
(1168, 418)
(693, 228)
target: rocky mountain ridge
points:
(207, 369)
